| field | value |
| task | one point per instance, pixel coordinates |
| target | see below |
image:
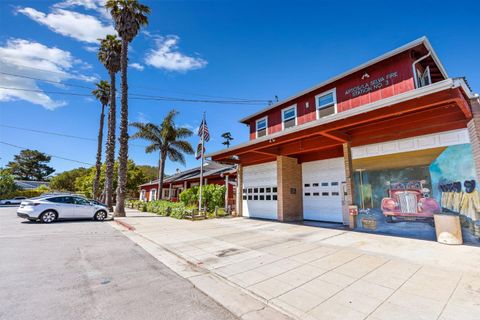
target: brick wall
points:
(474, 134)
(289, 183)
(349, 182)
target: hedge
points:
(161, 207)
(22, 193)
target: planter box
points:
(448, 228)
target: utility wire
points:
(226, 99)
(51, 155)
(60, 134)
(139, 97)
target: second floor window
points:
(423, 78)
(326, 103)
(261, 127)
(289, 117)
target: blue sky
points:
(202, 50)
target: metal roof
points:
(210, 168)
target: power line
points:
(140, 97)
(51, 155)
(45, 80)
(85, 87)
(60, 134)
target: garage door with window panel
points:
(260, 191)
(322, 187)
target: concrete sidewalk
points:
(317, 273)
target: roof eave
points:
(412, 94)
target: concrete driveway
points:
(317, 273)
(88, 270)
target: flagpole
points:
(201, 166)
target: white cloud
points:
(137, 66)
(96, 5)
(166, 56)
(91, 48)
(35, 60)
(79, 26)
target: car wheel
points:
(100, 216)
(48, 216)
(8, 202)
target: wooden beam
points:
(337, 135)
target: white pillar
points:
(170, 192)
(226, 191)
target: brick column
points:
(289, 187)
(474, 134)
(226, 191)
(349, 182)
(239, 196)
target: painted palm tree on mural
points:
(109, 55)
(102, 93)
(168, 140)
(128, 16)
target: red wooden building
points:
(392, 122)
(213, 173)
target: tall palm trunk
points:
(98, 164)
(110, 152)
(161, 174)
(123, 154)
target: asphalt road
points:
(88, 270)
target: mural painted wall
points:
(403, 201)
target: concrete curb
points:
(124, 224)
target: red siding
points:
(401, 80)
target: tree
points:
(102, 93)
(65, 181)
(135, 177)
(7, 182)
(109, 54)
(228, 137)
(31, 165)
(128, 16)
(150, 172)
(168, 140)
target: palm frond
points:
(182, 146)
(175, 155)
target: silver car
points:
(16, 200)
(48, 209)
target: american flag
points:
(198, 154)
(204, 129)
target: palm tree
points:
(109, 54)
(228, 137)
(102, 93)
(128, 16)
(168, 140)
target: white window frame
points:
(421, 77)
(153, 194)
(317, 107)
(143, 193)
(294, 106)
(266, 126)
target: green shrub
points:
(22, 193)
(212, 196)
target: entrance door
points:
(322, 185)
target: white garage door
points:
(322, 184)
(260, 191)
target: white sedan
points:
(51, 208)
(16, 200)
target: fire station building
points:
(395, 136)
